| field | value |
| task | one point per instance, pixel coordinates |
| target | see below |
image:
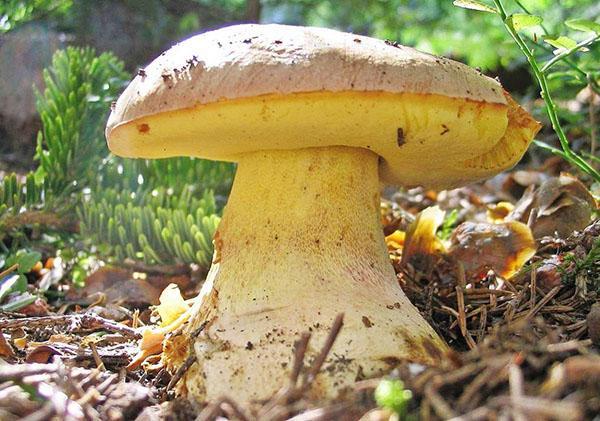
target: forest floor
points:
(520, 349)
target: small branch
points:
(292, 391)
(318, 363)
(440, 406)
(191, 359)
(515, 383)
(9, 270)
(75, 322)
(213, 410)
(544, 301)
(97, 358)
(592, 114)
(19, 371)
(559, 57)
(537, 408)
(299, 352)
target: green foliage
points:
(450, 221)
(157, 212)
(73, 109)
(586, 269)
(16, 195)
(565, 47)
(17, 12)
(177, 174)
(392, 395)
(20, 262)
(156, 228)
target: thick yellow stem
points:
(301, 241)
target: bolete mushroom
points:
(315, 119)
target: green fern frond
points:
(156, 227)
(18, 195)
(73, 108)
(176, 173)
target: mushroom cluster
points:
(316, 119)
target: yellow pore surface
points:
(422, 139)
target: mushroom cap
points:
(243, 88)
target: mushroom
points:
(316, 119)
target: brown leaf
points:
(499, 211)
(516, 182)
(38, 308)
(41, 354)
(421, 245)
(503, 248)
(548, 274)
(120, 286)
(563, 205)
(6, 350)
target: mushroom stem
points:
(301, 241)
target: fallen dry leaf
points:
(38, 308)
(548, 274)
(421, 245)
(497, 212)
(41, 354)
(120, 286)
(395, 240)
(563, 205)
(6, 350)
(503, 248)
(174, 311)
(516, 182)
(172, 305)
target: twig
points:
(318, 363)
(214, 409)
(543, 301)
(462, 319)
(570, 51)
(292, 391)
(467, 399)
(532, 285)
(191, 359)
(481, 413)
(569, 346)
(515, 384)
(8, 270)
(299, 352)
(75, 322)
(18, 371)
(97, 359)
(440, 406)
(328, 413)
(546, 408)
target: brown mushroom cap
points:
(257, 87)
